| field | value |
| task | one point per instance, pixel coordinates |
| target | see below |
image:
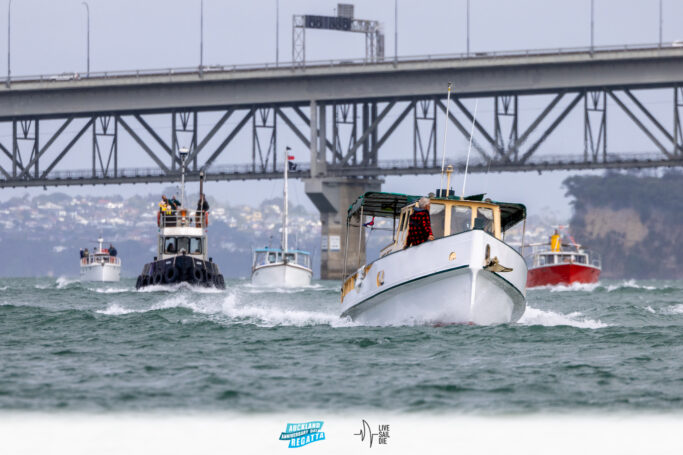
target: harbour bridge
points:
(343, 112)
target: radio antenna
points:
(467, 163)
(445, 135)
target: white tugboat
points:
(100, 264)
(282, 266)
(182, 253)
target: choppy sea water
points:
(66, 345)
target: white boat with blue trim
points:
(466, 275)
(282, 267)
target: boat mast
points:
(284, 212)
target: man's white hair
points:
(423, 202)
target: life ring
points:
(197, 275)
(158, 277)
(170, 275)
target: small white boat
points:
(282, 267)
(99, 265)
(275, 267)
(466, 275)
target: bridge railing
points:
(208, 69)
(302, 169)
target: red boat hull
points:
(562, 274)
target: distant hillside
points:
(634, 222)
(42, 235)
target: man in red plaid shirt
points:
(420, 229)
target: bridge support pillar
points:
(332, 197)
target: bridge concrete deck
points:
(481, 75)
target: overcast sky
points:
(48, 37)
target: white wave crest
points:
(674, 309)
(63, 282)
(534, 316)
(649, 309)
(630, 284)
(271, 315)
(170, 288)
(109, 290)
(257, 313)
(4, 288)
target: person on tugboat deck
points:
(112, 251)
(420, 229)
(174, 203)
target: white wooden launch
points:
(466, 275)
(282, 267)
(99, 265)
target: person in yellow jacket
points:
(165, 210)
(555, 241)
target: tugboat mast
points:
(183, 155)
(284, 213)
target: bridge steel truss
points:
(360, 127)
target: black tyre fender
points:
(209, 277)
(138, 283)
(170, 275)
(145, 280)
(158, 277)
(197, 275)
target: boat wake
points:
(231, 310)
(534, 316)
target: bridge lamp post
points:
(9, 72)
(183, 152)
(592, 23)
(201, 37)
(395, 31)
(87, 9)
(468, 28)
(660, 23)
(277, 32)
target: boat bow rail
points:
(101, 259)
(183, 218)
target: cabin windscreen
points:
(274, 257)
(485, 219)
(437, 216)
(461, 219)
(189, 245)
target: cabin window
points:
(581, 259)
(461, 219)
(403, 229)
(484, 219)
(260, 258)
(437, 216)
(566, 258)
(305, 260)
(195, 245)
(272, 257)
(290, 257)
(170, 245)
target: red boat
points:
(562, 264)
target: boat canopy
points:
(379, 204)
(389, 205)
